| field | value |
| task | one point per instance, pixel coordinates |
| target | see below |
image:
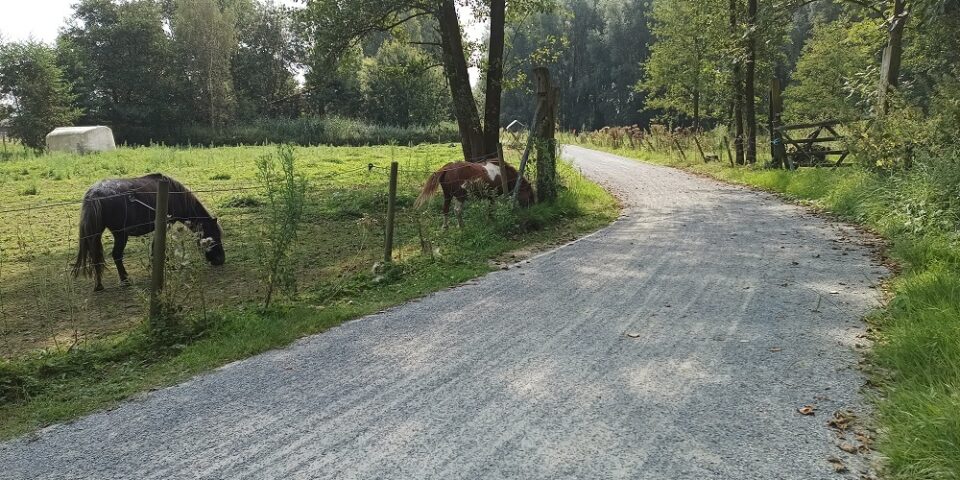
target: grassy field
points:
(65, 350)
(917, 353)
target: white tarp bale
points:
(81, 139)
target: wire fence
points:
(43, 306)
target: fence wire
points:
(42, 305)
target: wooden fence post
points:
(778, 150)
(546, 132)
(159, 250)
(504, 189)
(391, 213)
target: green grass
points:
(918, 334)
(67, 351)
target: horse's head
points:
(211, 241)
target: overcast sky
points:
(41, 19)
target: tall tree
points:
(206, 41)
(682, 74)
(893, 53)
(121, 64)
(33, 84)
(333, 29)
(400, 88)
(736, 79)
(750, 83)
(262, 66)
(491, 118)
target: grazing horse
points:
(127, 207)
(461, 179)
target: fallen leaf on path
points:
(848, 447)
(775, 349)
(807, 410)
(837, 464)
(841, 420)
(633, 335)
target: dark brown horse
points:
(126, 206)
(460, 180)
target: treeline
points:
(709, 63)
(224, 71)
(212, 71)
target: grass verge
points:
(58, 382)
(918, 334)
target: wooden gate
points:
(808, 151)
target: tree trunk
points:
(455, 69)
(750, 83)
(892, 54)
(491, 118)
(737, 87)
(696, 111)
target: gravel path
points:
(677, 343)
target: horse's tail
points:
(430, 188)
(90, 255)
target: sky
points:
(36, 19)
(40, 19)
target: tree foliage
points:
(400, 86)
(833, 62)
(206, 40)
(122, 66)
(34, 85)
(684, 73)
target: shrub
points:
(312, 130)
(285, 192)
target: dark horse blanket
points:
(460, 180)
(127, 206)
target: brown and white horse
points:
(460, 180)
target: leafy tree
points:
(594, 51)
(400, 87)
(333, 29)
(122, 66)
(831, 61)
(33, 83)
(333, 87)
(683, 73)
(263, 63)
(206, 40)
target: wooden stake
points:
(391, 213)
(778, 151)
(703, 156)
(504, 189)
(726, 144)
(683, 156)
(159, 250)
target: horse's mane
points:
(184, 200)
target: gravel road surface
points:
(677, 343)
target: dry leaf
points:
(848, 447)
(775, 349)
(837, 464)
(633, 335)
(806, 410)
